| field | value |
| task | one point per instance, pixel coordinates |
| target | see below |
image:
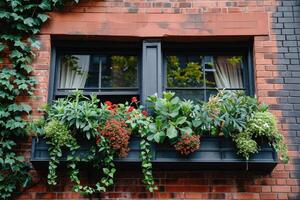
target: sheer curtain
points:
(74, 71)
(227, 75)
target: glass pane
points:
(195, 95)
(93, 75)
(184, 71)
(74, 71)
(119, 71)
(227, 72)
(85, 71)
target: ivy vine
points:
(20, 21)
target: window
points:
(198, 73)
(116, 71)
(112, 74)
(197, 77)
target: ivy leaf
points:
(172, 132)
(16, 54)
(45, 5)
(20, 44)
(15, 3)
(27, 68)
(19, 108)
(43, 17)
(29, 21)
(2, 46)
(34, 43)
(4, 15)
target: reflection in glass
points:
(95, 71)
(120, 71)
(183, 71)
(74, 71)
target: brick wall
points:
(277, 73)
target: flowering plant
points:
(179, 122)
(188, 144)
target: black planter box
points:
(215, 153)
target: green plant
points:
(246, 146)
(109, 127)
(230, 111)
(58, 137)
(20, 21)
(172, 118)
(243, 119)
(264, 125)
(139, 121)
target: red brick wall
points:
(277, 75)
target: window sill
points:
(215, 153)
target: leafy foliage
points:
(172, 118)
(108, 127)
(20, 21)
(58, 137)
(263, 125)
(242, 118)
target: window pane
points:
(74, 71)
(227, 72)
(184, 71)
(119, 71)
(195, 95)
(97, 71)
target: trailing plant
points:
(264, 125)
(72, 118)
(139, 121)
(172, 119)
(246, 146)
(58, 136)
(108, 126)
(20, 21)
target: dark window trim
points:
(92, 48)
(213, 49)
(161, 49)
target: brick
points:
(281, 188)
(277, 72)
(246, 196)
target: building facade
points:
(265, 33)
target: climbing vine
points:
(20, 21)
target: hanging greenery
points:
(182, 123)
(107, 128)
(19, 22)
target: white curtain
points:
(227, 75)
(74, 73)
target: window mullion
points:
(151, 69)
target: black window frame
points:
(152, 65)
(61, 47)
(243, 49)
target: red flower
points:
(108, 103)
(145, 113)
(133, 100)
(130, 109)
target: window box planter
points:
(215, 153)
